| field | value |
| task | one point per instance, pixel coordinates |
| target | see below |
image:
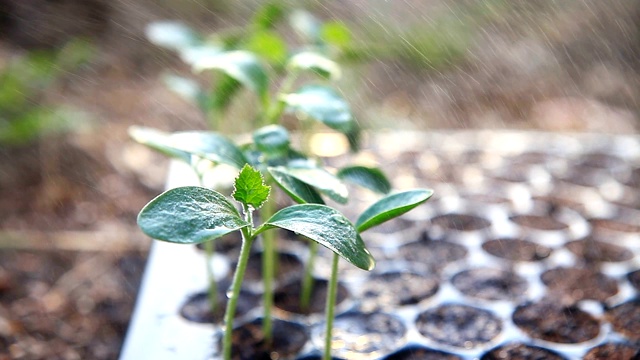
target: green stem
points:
(213, 287)
(236, 285)
(330, 308)
(307, 280)
(277, 106)
(269, 264)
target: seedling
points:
(192, 215)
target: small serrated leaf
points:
(391, 206)
(250, 189)
(326, 226)
(367, 177)
(189, 215)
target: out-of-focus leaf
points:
(186, 88)
(326, 226)
(336, 33)
(269, 15)
(172, 35)
(299, 191)
(390, 207)
(323, 104)
(306, 25)
(194, 54)
(269, 46)
(370, 178)
(240, 65)
(273, 140)
(189, 215)
(319, 64)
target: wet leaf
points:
(320, 179)
(189, 215)
(367, 177)
(159, 141)
(391, 206)
(187, 89)
(306, 25)
(326, 226)
(240, 65)
(336, 33)
(172, 35)
(250, 189)
(269, 15)
(269, 46)
(298, 191)
(316, 63)
(323, 104)
(273, 140)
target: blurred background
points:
(75, 74)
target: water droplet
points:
(229, 293)
(339, 219)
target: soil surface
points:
(521, 352)
(556, 323)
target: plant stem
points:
(277, 106)
(330, 307)
(236, 285)
(213, 287)
(307, 280)
(268, 270)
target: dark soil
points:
(461, 222)
(67, 304)
(574, 284)
(625, 319)
(516, 249)
(593, 251)
(197, 308)
(538, 222)
(394, 289)
(518, 351)
(556, 323)
(459, 325)
(289, 266)
(433, 254)
(634, 279)
(490, 284)
(421, 353)
(613, 351)
(287, 297)
(248, 341)
(614, 225)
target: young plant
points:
(192, 215)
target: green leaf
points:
(183, 145)
(189, 215)
(268, 15)
(390, 207)
(186, 88)
(273, 140)
(298, 191)
(322, 104)
(319, 178)
(172, 35)
(250, 189)
(326, 226)
(336, 33)
(314, 62)
(240, 65)
(226, 88)
(370, 178)
(306, 25)
(269, 46)
(159, 141)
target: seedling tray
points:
(530, 247)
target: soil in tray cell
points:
(625, 319)
(614, 225)
(613, 351)
(287, 297)
(359, 335)
(461, 222)
(197, 308)
(552, 322)
(421, 353)
(433, 254)
(539, 222)
(289, 266)
(516, 249)
(634, 279)
(248, 341)
(594, 251)
(393, 289)
(574, 284)
(490, 284)
(518, 351)
(458, 325)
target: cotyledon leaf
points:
(326, 226)
(300, 192)
(322, 104)
(189, 215)
(320, 179)
(367, 177)
(391, 206)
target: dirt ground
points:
(71, 257)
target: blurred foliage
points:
(24, 80)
